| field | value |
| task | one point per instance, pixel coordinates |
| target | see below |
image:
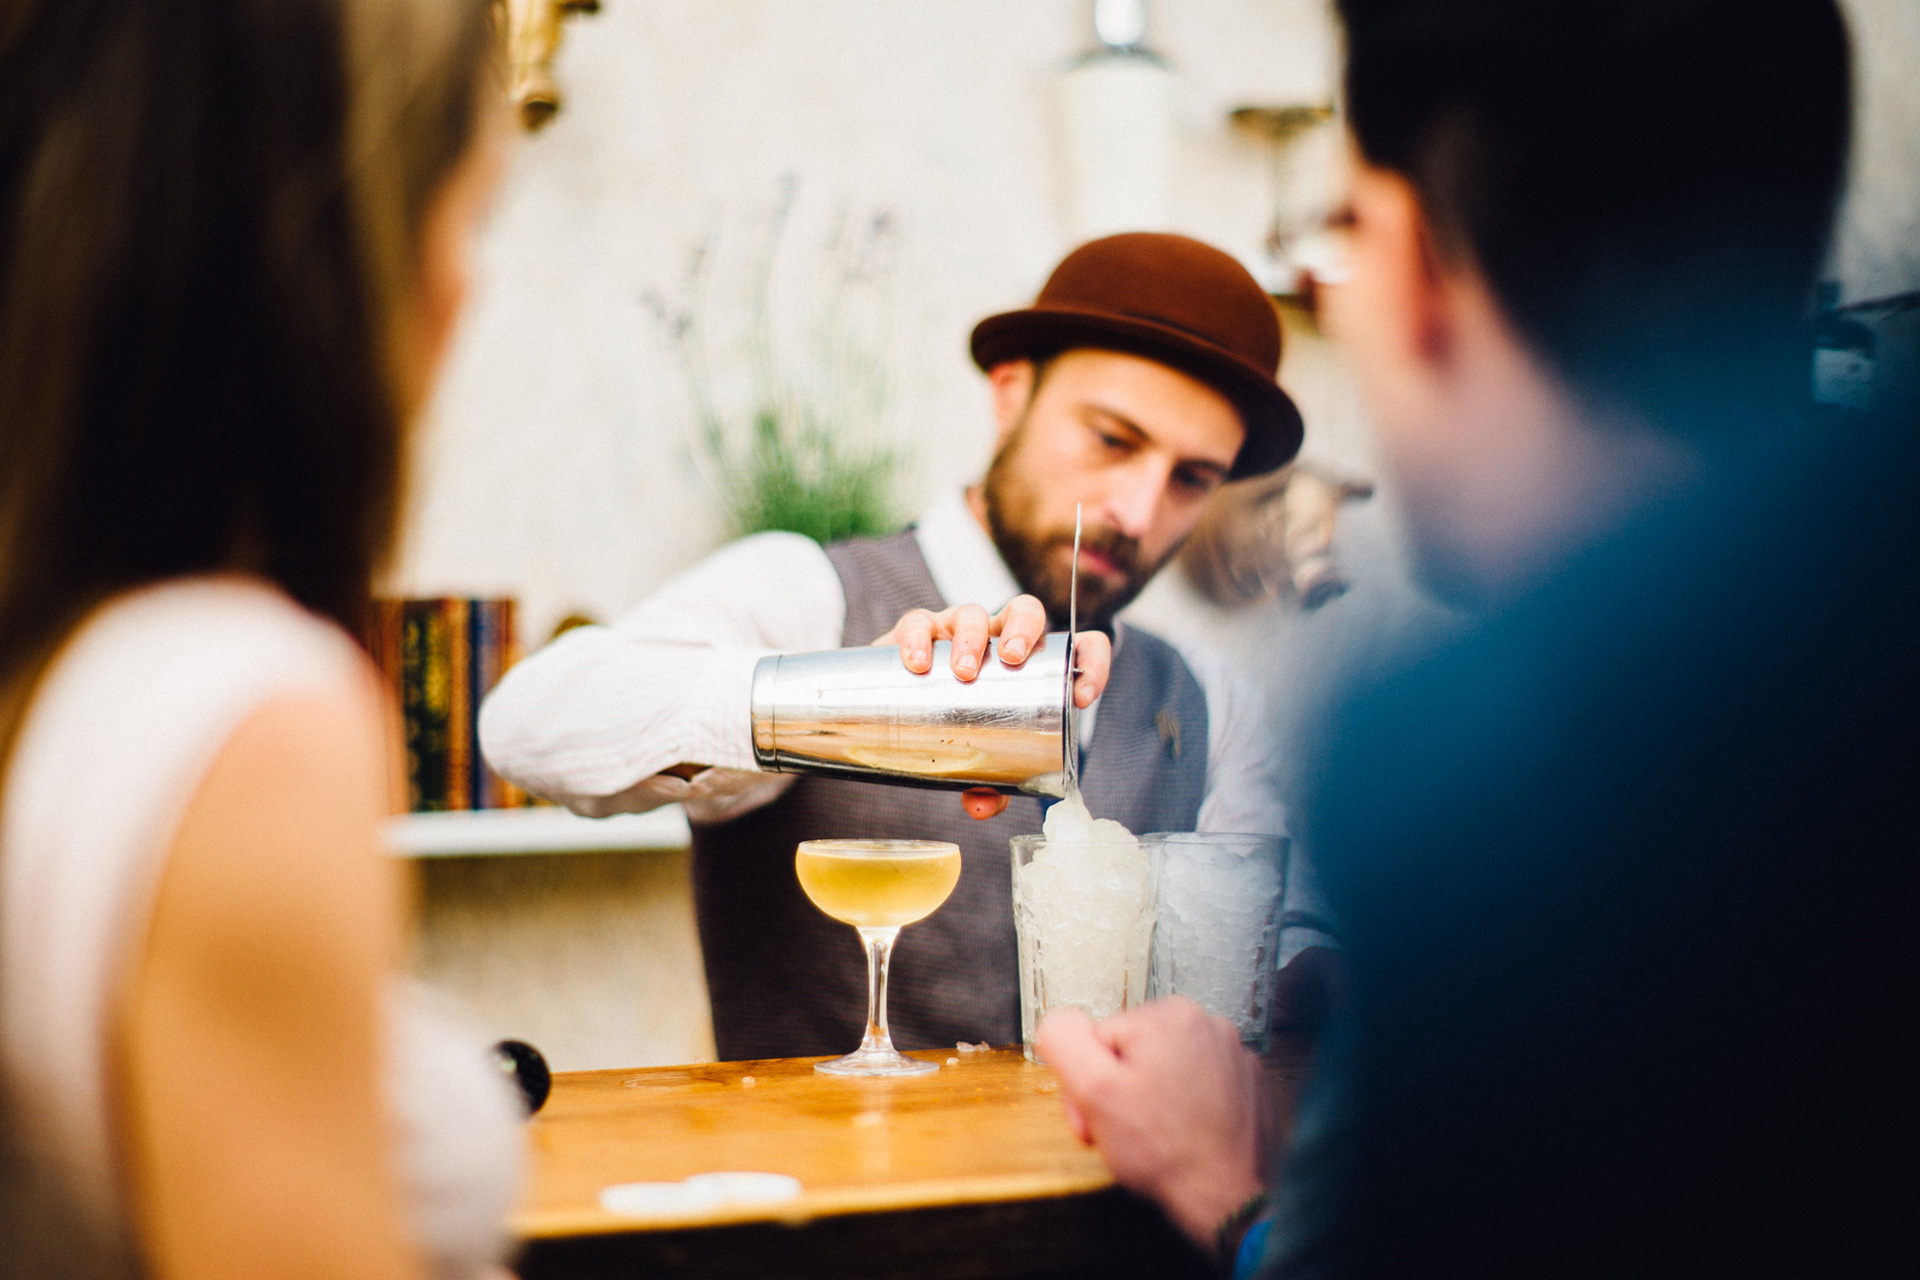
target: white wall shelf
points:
(519, 831)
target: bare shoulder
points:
(272, 932)
(278, 852)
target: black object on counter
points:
(529, 1070)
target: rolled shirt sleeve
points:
(593, 718)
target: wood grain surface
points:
(967, 1174)
(985, 1129)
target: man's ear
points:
(1012, 384)
(1436, 298)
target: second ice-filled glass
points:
(1217, 937)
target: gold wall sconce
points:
(1275, 128)
(532, 29)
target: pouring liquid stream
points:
(1070, 737)
(1083, 893)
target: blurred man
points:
(1628, 873)
(1141, 379)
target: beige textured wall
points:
(590, 956)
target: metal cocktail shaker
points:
(860, 714)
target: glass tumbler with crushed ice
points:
(1216, 939)
(1083, 910)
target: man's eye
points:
(1194, 483)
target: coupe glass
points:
(877, 886)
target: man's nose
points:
(1134, 498)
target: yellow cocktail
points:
(876, 886)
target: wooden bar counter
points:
(969, 1172)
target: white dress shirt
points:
(592, 719)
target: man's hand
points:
(1177, 1106)
(1021, 628)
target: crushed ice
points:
(1085, 901)
(1216, 916)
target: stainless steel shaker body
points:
(860, 714)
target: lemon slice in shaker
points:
(935, 760)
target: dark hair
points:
(1647, 185)
(207, 208)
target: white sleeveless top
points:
(119, 737)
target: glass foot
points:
(866, 1061)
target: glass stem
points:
(879, 943)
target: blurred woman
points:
(232, 238)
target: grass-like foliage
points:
(794, 473)
(796, 444)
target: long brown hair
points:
(209, 224)
(208, 218)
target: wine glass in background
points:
(877, 886)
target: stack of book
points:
(442, 656)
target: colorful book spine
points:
(461, 704)
(482, 623)
(423, 704)
(495, 649)
(508, 653)
(442, 657)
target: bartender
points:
(1139, 381)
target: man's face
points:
(1387, 334)
(1459, 410)
(1137, 445)
(1499, 469)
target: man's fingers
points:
(1067, 1041)
(1063, 1022)
(1022, 631)
(968, 625)
(1224, 1031)
(1076, 1120)
(1171, 1018)
(983, 803)
(914, 634)
(1096, 661)
(1022, 627)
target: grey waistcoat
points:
(786, 981)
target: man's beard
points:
(1033, 554)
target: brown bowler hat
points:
(1173, 300)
